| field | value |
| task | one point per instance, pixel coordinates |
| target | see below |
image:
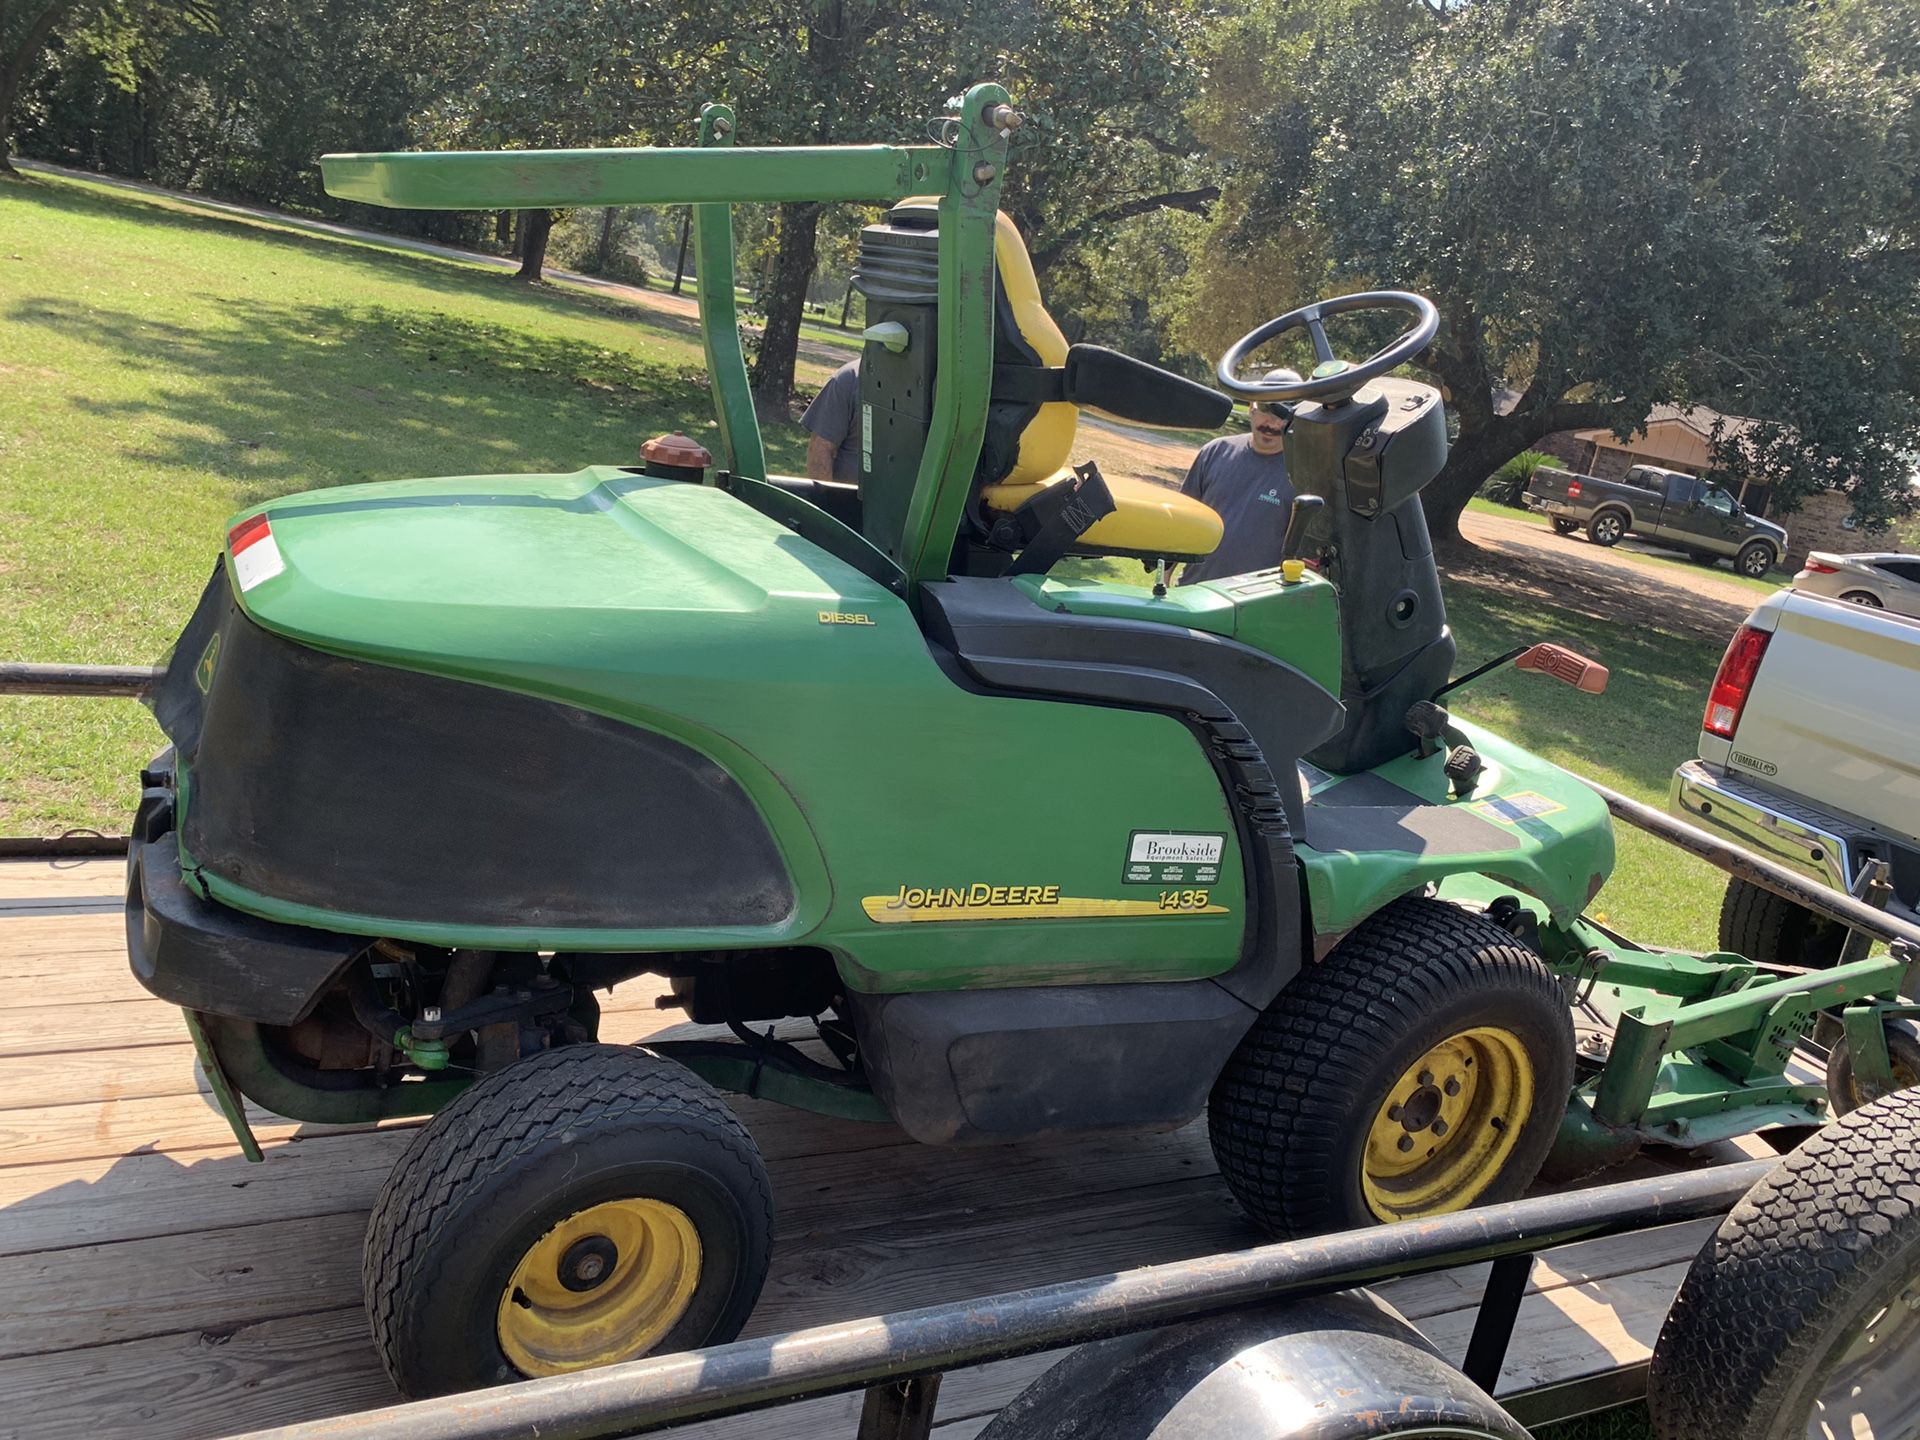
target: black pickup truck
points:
(1667, 506)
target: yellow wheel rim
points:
(605, 1284)
(1447, 1127)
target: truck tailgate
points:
(1549, 484)
(1832, 714)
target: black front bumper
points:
(205, 956)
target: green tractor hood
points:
(493, 577)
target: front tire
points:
(1607, 527)
(587, 1205)
(1801, 1316)
(1422, 1067)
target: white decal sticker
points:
(1168, 857)
(256, 554)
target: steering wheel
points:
(1332, 379)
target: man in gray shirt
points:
(1243, 478)
(834, 421)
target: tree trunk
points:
(1472, 459)
(503, 229)
(603, 257)
(13, 70)
(680, 265)
(781, 301)
(535, 227)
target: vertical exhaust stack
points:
(1367, 457)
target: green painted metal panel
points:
(741, 450)
(680, 608)
(686, 175)
(1564, 854)
(1296, 623)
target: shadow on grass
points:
(291, 396)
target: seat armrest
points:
(1128, 389)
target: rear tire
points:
(589, 1171)
(1804, 1306)
(1754, 560)
(1333, 1111)
(1862, 597)
(1772, 930)
(1607, 527)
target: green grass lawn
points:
(160, 368)
(1629, 738)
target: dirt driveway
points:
(1523, 559)
(1612, 585)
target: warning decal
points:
(1512, 809)
(256, 554)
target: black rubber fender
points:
(1338, 1367)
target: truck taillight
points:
(1573, 490)
(1733, 681)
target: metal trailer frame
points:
(899, 1359)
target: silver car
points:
(1880, 581)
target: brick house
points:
(1682, 439)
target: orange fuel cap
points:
(680, 451)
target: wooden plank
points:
(28, 1081)
(57, 1030)
(193, 1384)
(94, 877)
(152, 1193)
(1576, 1330)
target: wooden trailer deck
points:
(155, 1284)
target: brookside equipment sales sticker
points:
(256, 554)
(1173, 857)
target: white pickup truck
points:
(1810, 755)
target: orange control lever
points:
(1565, 665)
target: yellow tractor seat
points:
(1040, 385)
(1150, 521)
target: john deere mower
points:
(1028, 854)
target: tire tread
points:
(1762, 1300)
(493, 1123)
(1285, 1097)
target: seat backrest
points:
(1026, 442)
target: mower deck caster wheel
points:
(1801, 1315)
(587, 1205)
(1846, 1094)
(1422, 1067)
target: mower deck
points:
(161, 1286)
